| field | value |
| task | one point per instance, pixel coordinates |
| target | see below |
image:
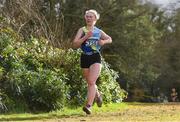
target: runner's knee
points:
(91, 83)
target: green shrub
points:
(46, 78)
(5, 40)
(109, 86)
(1, 72)
(78, 90)
(3, 97)
(29, 79)
(43, 90)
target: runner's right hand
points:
(89, 34)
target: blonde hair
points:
(97, 15)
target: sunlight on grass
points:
(110, 107)
(66, 112)
(118, 112)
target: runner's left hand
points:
(101, 42)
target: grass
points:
(136, 112)
(66, 112)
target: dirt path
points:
(169, 112)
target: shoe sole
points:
(86, 110)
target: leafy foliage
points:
(46, 78)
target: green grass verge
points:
(66, 112)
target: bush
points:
(29, 79)
(3, 107)
(76, 82)
(109, 86)
(46, 78)
(43, 89)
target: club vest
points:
(91, 45)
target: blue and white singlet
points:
(91, 45)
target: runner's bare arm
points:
(105, 39)
(78, 40)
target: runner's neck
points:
(90, 28)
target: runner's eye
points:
(89, 16)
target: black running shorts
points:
(88, 60)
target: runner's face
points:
(90, 19)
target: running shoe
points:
(87, 110)
(99, 101)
